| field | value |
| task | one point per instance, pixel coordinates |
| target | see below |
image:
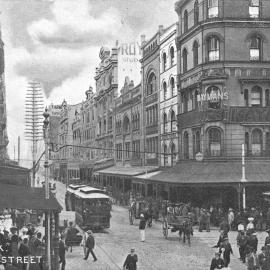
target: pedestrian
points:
(253, 242)
(230, 218)
(131, 261)
(267, 239)
(250, 226)
(242, 241)
(262, 260)
(252, 260)
(71, 233)
(222, 236)
(24, 252)
(83, 243)
(62, 252)
(90, 244)
(227, 251)
(40, 249)
(142, 226)
(217, 262)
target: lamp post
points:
(243, 180)
(47, 191)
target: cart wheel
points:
(131, 218)
(165, 229)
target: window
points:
(136, 149)
(172, 85)
(195, 53)
(173, 153)
(164, 61)
(173, 121)
(151, 84)
(119, 151)
(213, 94)
(165, 90)
(185, 21)
(127, 147)
(196, 12)
(255, 48)
(110, 123)
(196, 93)
(257, 142)
(212, 8)
(172, 55)
(254, 8)
(197, 142)
(184, 56)
(214, 142)
(165, 152)
(247, 143)
(104, 125)
(185, 102)
(246, 98)
(126, 125)
(267, 98)
(186, 145)
(256, 96)
(213, 48)
(165, 123)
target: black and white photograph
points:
(134, 134)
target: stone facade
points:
(223, 78)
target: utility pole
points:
(34, 107)
(243, 180)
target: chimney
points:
(160, 28)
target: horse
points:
(186, 230)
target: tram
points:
(91, 205)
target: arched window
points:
(195, 53)
(214, 142)
(165, 123)
(256, 96)
(151, 84)
(173, 121)
(165, 151)
(173, 153)
(213, 96)
(247, 143)
(254, 8)
(126, 124)
(257, 141)
(164, 61)
(196, 12)
(246, 97)
(165, 91)
(255, 50)
(172, 55)
(184, 56)
(185, 21)
(197, 142)
(186, 145)
(212, 8)
(213, 48)
(267, 98)
(172, 85)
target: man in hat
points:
(217, 262)
(90, 244)
(142, 226)
(242, 241)
(267, 239)
(253, 242)
(262, 260)
(227, 251)
(252, 260)
(131, 261)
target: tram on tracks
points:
(92, 206)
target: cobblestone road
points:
(156, 253)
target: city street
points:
(114, 244)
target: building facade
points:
(168, 97)
(223, 80)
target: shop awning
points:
(211, 172)
(127, 171)
(20, 197)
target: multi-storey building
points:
(106, 91)
(150, 86)
(168, 97)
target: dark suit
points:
(217, 264)
(62, 254)
(131, 262)
(90, 244)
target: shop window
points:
(214, 142)
(254, 8)
(255, 52)
(173, 121)
(196, 12)
(164, 61)
(172, 84)
(185, 21)
(213, 94)
(151, 84)
(213, 47)
(195, 53)
(184, 56)
(186, 145)
(165, 90)
(246, 97)
(267, 98)
(212, 8)
(257, 141)
(172, 55)
(256, 96)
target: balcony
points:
(194, 118)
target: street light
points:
(243, 179)
(47, 191)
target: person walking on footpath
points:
(217, 262)
(242, 241)
(90, 244)
(131, 261)
(227, 251)
(62, 252)
(142, 226)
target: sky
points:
(57, 43)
